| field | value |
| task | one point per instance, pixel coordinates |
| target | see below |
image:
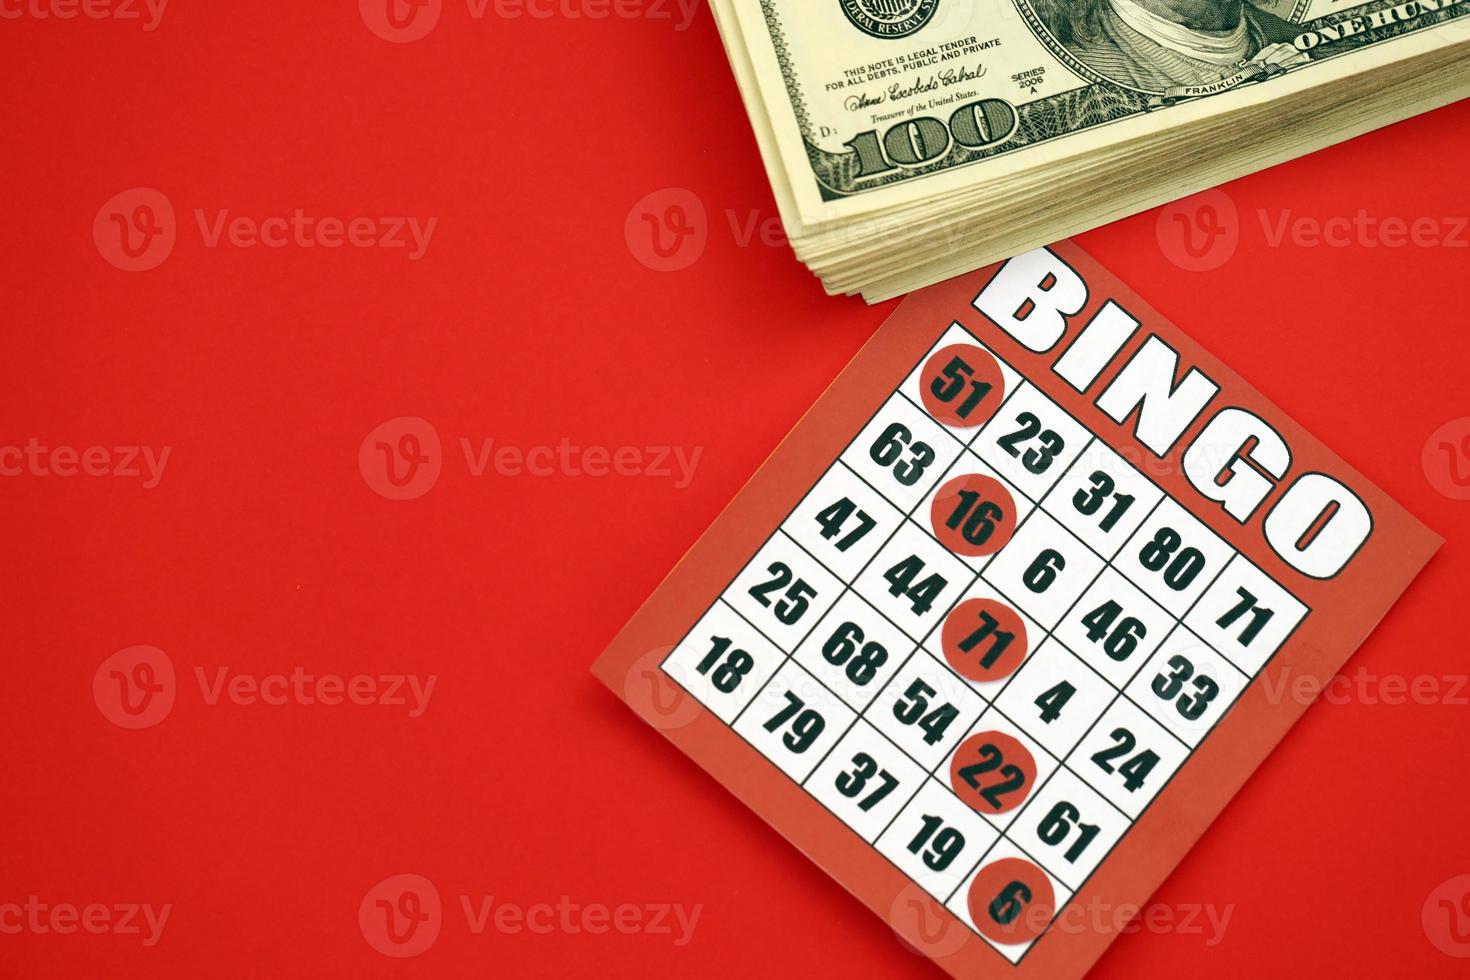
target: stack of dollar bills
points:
(909, 141)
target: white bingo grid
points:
(1154, 623)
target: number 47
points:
(834, 519)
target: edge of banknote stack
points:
(904, 147)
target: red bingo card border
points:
(1341, 612)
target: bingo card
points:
(986, 636)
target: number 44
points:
(903, 579)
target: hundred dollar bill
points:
(878, 104)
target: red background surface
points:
(530, 320)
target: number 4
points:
(1053, 700)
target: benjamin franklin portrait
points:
(1154, 45)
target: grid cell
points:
(901, 453)
(865, 780)
(842, 522)
(723, 662)
(1102, 499)
(1246, 615)
(1032, 441)
(783, 592)
(794, 721)
(1044, 569)
(854, 650)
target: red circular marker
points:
(962, 386)
(1012, 901)
(984, 640)
(973, 515)
(992, 772)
